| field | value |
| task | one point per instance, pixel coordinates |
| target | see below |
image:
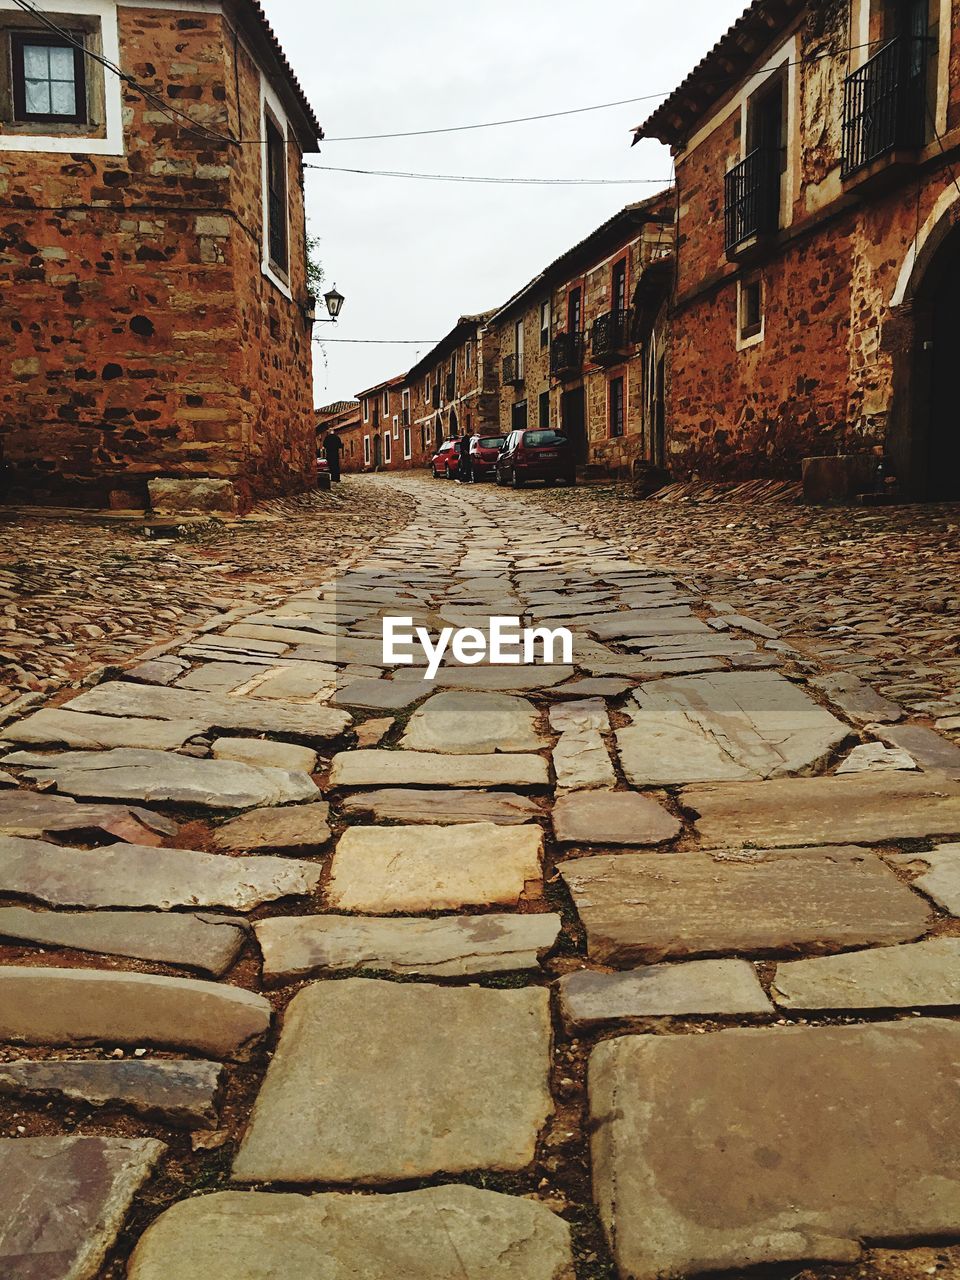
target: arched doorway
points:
(924, 435)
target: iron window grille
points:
(566, 354)
(513, 370)
(884, 103)
(752, 203)
(611, 334)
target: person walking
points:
(332, 448)
(465, 463)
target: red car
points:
(446, 460)
(485, 456)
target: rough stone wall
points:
(536, 366)
(821, 380)
(132, 306)
(475, 399)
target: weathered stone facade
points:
(384, 445)
(343, 418)
(580, 350)
(141, 335)
(455, 387)
(841, 286)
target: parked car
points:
(485, 456)
(445, 461)
(536, 454)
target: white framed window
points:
(426, 390)
(275, 169)
(366, 410)
(427, 435)
(366, 451)
(387, 447)
(405, 407)
(751, 303)
(385, 404)
(518, 346)
(407, 444)
(468, 357)
(396, 426)
(545, 324)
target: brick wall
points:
(138, 335)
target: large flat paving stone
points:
(433, 1234)
(158, 777)
(428, 769)
(445, 807)
(208, 943)
(491, 679)
(919, 975)
(380, 870)
(640, 908)
(613, 817)
(473, 723)
(798, 811)
(127, 875)
(290, 828)
(59, 728)
(581, 761)
(255, 715)
(715, 988)
(35, 815)
(297, 946)
(63, 1202)
(379, 695)
(376, 1082)
(728, 727)
(183, 1094)
(631, 623)
(263, 751)
(940, 880)
(730, 1150)
(92, 1006)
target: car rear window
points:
(491, 442)
(541, 439)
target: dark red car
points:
(446, 460)
(536, 454)
(485, 456)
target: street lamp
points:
(334, 301)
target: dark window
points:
(574, 309)
(544, 414)
(277, 196)
(620, 286)
(518, 416)
(751, 309)
(491, 442)
(544, 325)
(49, 79)
(616, 406)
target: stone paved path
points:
(642, 965)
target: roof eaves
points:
(255, 11)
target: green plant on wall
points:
(315, 274)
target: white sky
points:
(410, 257)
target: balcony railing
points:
(611, 335)
(752, 197)
(451, 385)
(566, 355)
(884, 103)
(435, 396)
(513, 370)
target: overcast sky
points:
(409, 256)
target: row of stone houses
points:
(566, 351)
(155, 314)
(790, 307)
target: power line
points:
(461, 177)
(386, 342)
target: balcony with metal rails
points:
(513, 370)
(435, 396)
(610, 338)
(884, 106)
(752, 199)
(451, 385)
(566, 355)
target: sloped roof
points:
(458, 334)
(257, 19)
(632, 216)
(727, 62)
(387, 385)
(338, 407)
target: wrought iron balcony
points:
(566, 355)
(884, 103)
(752, 206)
(611, 336)
(513, 371)
(451, 385)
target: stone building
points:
(818, 253)
(385, 442)
(454, 387)
(154, 308)
(570, 357)
(343, 417)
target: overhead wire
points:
(493, 179)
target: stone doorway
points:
(573, 420)
(377, 452)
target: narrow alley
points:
(640, 965)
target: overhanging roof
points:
(458, 334)
(255, 21)
(723, 67)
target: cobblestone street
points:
(641, 964)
